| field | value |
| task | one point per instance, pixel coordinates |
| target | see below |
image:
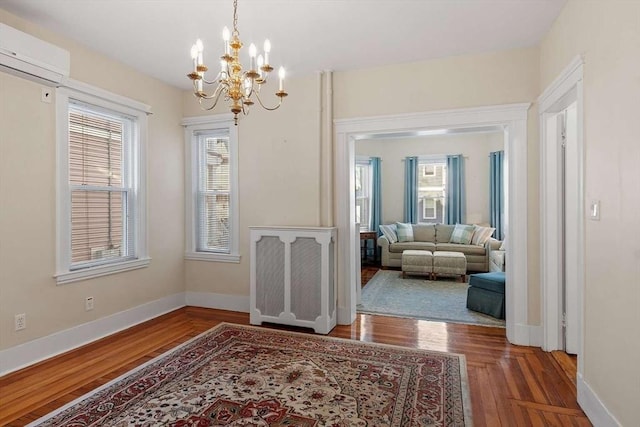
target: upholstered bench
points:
(450, 264)
(417, 262)
(486, 293)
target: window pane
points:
(214, 222)
(214, 194)
(432, 183)
(97, 225)
(216, 158)
(95, 150)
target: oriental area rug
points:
(445, 300)
(237, 375)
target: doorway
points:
(513, 120)
(562, 221)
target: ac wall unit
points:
(31, 58)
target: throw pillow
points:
(462, 234)
(404, 231)
(389, 231)
(481, 235)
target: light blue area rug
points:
(443, 300)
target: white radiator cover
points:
(293, 279)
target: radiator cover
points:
(293, 280)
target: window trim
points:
(84, 93)
(217, 122)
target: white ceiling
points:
(155, 36)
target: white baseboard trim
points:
(345, 317)
(31, 352)
(529, 335)
(591, 404)
(220, 301)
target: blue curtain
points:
(411, 190)
(496, 192)
(376, 195)
(456, 196)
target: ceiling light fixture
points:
(233, 84)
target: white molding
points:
(593, 407)
(561, 84)
(513, 119)
(101, 270)
(31, 352)
(100, 99)
(221, 122)
(567, 86)
(530, 335)
(212, 257)
(105, 95)
(207, 121)
(229, 302)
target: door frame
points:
(567, 85)
(513, 120)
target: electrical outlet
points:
(20, 321)
(88, 304)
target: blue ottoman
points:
(486, 293)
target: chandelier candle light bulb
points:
(236, 86)
(267, 49)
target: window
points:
(101, 199)
(429, 170)
(363, 194)
(432, 183)
(212, 213)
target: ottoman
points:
(449, 263)
(486, 293)
(417, 262)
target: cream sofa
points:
(435, 237)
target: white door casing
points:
(564, 92)
(513, 119)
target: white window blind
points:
(213, 192)
(100, 186)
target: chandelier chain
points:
(235, 18)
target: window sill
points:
(212, 257)
(102, 270)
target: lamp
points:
(236, 86)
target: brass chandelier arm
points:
(269, 108)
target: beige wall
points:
(474, 147)
(278, 188)
(27, 191)
(466, 81)
(279, 170)
(607, 33)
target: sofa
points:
(436, 237)
(497, 260)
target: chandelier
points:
(236, 86)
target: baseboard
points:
(219, 301)
(345, 316)
(31, 352)
(591, 404)
(529, 335)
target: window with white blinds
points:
(101, 153)
(213, 192)
(102, 226)
(212, 196)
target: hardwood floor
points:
(510, 385)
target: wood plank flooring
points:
(510, 385)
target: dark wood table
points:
(366, 236)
